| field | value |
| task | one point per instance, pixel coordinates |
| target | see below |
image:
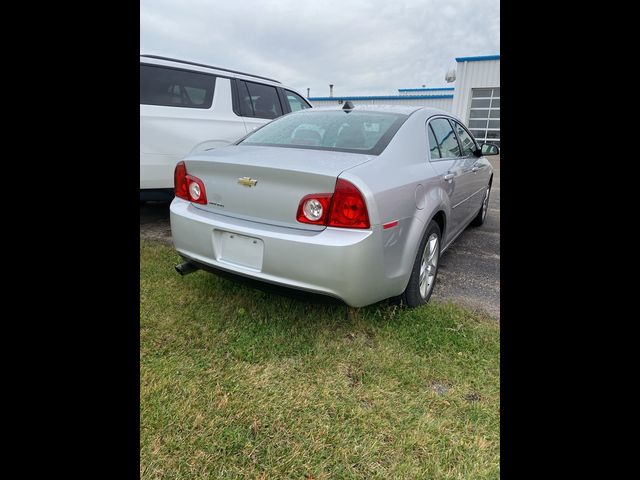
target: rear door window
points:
(445, 138)
(264, 100)
(175, 88)
(468, 145)
(246, 107)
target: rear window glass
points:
(175, 88)
(357, 132)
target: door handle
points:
(475, 169)
(449, 176)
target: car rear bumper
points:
(343, 263)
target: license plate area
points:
(239, 250)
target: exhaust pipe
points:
(186, 268)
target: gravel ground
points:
(154, 222)
(469, 270)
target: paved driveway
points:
(469, 270)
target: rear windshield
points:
(355, 132)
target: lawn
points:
(237, 383)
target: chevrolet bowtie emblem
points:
(247, 182)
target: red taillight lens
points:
(345, 207)
(180, 181)
(187, 186)
(348, 208)
(314, 208)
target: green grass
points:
(237, 383)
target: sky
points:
(362, 47)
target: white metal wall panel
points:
(474, 74)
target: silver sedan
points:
(357, 203)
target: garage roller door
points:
(484, 115)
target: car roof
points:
(186, 62)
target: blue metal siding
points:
(478, 59)
(423, 89)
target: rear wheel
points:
(425, 268)
(482, 214)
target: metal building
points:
(475, 98)
(436, 98)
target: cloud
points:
(362, 47)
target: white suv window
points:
(296, 102)
(172, 87)
(264, 99)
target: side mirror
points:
(489, 149)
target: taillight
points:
(187, 186)
(314, 208)
(180, 181)
(348, 208)
(344, 208)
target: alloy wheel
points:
(429, 265)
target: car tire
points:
(484, 208)
(425, 268)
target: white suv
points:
(187, 107)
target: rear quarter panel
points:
(400, 184)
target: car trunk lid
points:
(266, 184)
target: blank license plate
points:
(240, 249)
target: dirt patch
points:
(154, 222)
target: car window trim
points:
(435, 117)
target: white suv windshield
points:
(356, 132)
